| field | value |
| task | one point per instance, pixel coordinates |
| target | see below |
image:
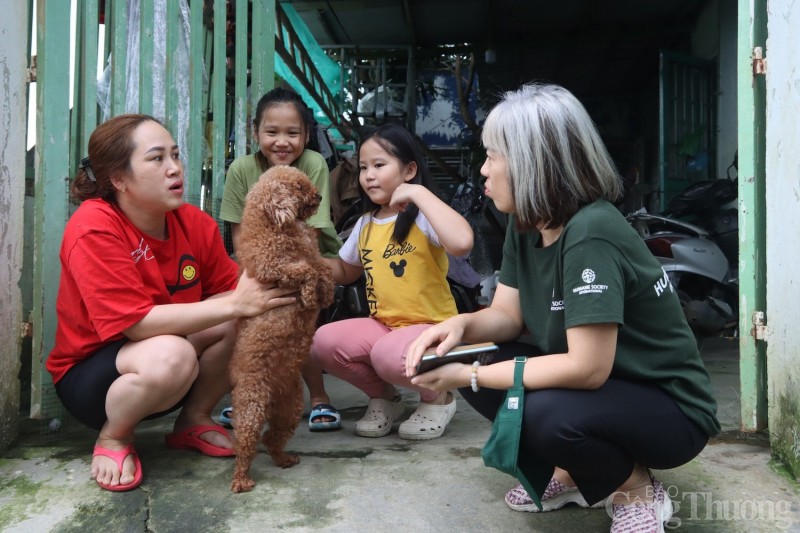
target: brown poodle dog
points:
(277, 248)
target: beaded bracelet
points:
(474, 378)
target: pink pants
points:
(368, 354)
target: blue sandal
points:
(324, 410)
(226, 417)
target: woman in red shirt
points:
(147, 302)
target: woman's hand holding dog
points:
(252, 298)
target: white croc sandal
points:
(379, 418)
(428, 421)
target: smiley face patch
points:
(189, 272)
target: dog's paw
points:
(286, 460)
(242, 485)
(324, 294)
(308, 296)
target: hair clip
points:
(86, 165)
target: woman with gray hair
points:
(614, 382)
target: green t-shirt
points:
(600, 271)
(244, 173)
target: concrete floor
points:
(721, 357)
(349, 483)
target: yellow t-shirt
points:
(406, 283)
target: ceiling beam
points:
(332, 25)
(409, 23)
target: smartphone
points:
(467, 353)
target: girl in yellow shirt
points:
(400, 244)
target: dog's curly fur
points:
(277, 248)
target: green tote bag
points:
(501, 451)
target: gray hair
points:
(557, 162)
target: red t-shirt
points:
(112, 275)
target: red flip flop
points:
(119, 456)
(189, 439)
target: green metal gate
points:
(687, 123)
(751, 91)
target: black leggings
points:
(84, 387)
(597, 435)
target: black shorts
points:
(84, 387)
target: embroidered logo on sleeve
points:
(588, 277)
(662, 284)
(143, 251)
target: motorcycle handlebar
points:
(648, 218)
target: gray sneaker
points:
(555, 496)
(642, 517)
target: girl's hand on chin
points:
(402, 196)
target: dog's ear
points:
(280, 206)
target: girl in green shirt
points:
(282, 127)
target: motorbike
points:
(696, 241)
